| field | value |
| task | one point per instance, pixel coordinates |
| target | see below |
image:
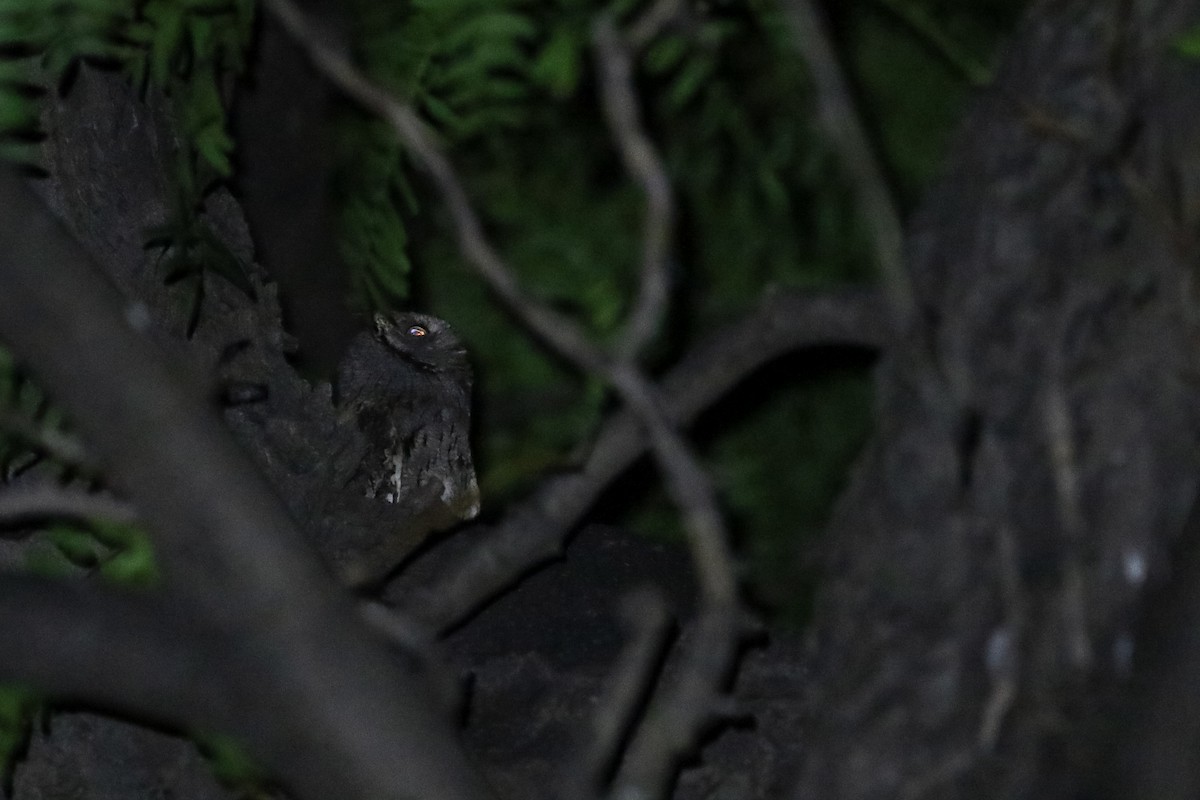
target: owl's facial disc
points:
(420, 339)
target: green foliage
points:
(464, 63)
(181, 48)
(933, 34)
(120, 553)
(233, 766)
(18, 707)
(568, 219)
(24, 410)
(189, 249)
(918, 61)
(1187, 44)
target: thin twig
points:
(645, 615)
(1003, 657)
(643, 29)
(958, 58)
(614, 62)
(44, 501)
(681, 716)
(847, 135)
(687, 484)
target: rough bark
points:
(1035, 460)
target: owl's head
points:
(426, 342)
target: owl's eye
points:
(417, 330)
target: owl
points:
(408, 386)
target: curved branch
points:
(122, 652)
(643, 162)
(848, 138)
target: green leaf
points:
(230, 760)
(215, 256)
(79, 546)
(558, 65)
(168, 22)
(665, 54)
(442, 113)
(1187, 44)
(691, 79)
(18, 706)
(26, 154)
(214, 145)
(17, 114)
(495, 25)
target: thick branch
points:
(327, 708)
(129, 653)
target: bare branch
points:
(846, 134)
(135, 654)
(645, 614)
(613, 59)
(44, 501)
(687, 484)
(680, 717)
(643, 29)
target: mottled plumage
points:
(409, 387)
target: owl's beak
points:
(381, 324)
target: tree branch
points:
(123, 652)
(614, 63)
(645, 615)
(846, 135)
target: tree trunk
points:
(1035, 460)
